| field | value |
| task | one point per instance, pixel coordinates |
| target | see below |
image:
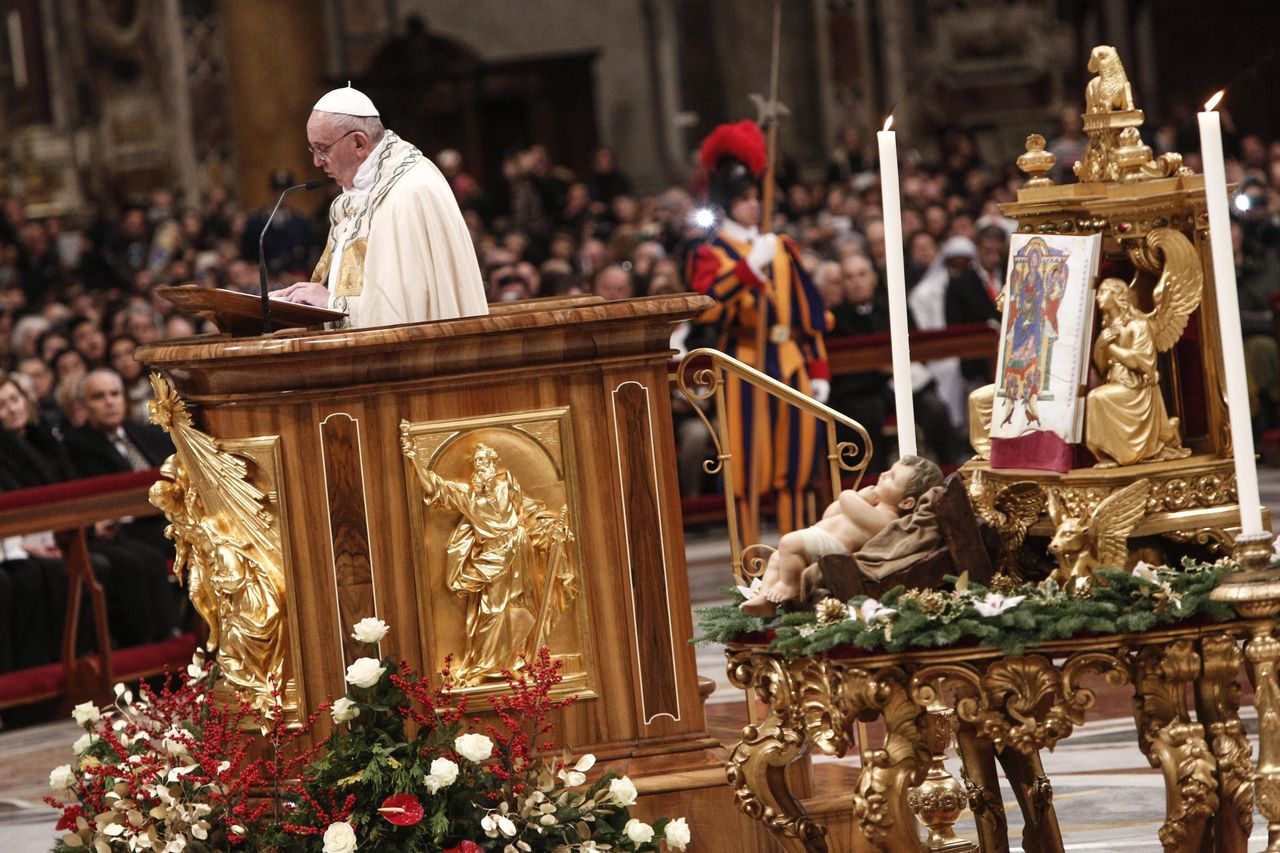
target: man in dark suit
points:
(108, 443)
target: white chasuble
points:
(398, 249)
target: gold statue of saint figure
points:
(508, 556)
(1125, 418)
(227, 550)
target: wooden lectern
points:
(337, 475)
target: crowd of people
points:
(80, 297)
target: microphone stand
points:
(262, 258)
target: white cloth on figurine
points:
(819, 543)
(399, 250)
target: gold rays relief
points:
(222, 503)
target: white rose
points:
(86, 713)
(443, 773)
(61, 778)
(365, 672)
(473, 747)
(638, 831)
(369, 630)
(83, 742)
(623, 791)
(677, 834)
(339, 838)
(344, 710)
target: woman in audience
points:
(137, 387)
(141, 601)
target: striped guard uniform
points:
(784, 461)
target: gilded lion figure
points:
(1109, 91)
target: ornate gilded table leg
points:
(758, 764)
(880, 803)
(1255, 594)
(1175, 744)
(1218, 708)
(1263, 652)
(978, 769)
(1040, 833)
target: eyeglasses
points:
(321, 152)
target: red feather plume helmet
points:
(734, 157)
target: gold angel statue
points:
(508, 557)
(1010, 510)
(1082, 544)
(228, 550)
(1125, 417)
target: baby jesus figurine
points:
(850, 520)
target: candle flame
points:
(1210, 104)
(888, 123)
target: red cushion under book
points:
(1040, 450)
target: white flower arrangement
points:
(365, 672)
(369, 630)
(473, 747)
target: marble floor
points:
(1106, 796)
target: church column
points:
(177, 95)
(275, 58)
(826, 100)
(896, 21)
(1148, 82)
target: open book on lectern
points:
(1044, 336)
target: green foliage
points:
(1118, 603)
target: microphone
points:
(313, 184)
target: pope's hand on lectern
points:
(305, 293)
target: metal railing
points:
(701, 377)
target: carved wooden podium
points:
(485, 486)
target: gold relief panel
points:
(498, 557)
(225, 510)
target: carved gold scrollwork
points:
(823, 710)
(1006, 706)
(1175, 744)
(880, 804)
(757, 766)
(1263, 652)
(1214, 537)
(228, 550)
(1113, 667)
(1218, 707)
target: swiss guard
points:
(743, 269)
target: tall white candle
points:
(897, 283)
(1224, 276)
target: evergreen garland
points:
(1119, 602)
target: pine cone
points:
(831, 610)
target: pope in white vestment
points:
(398, 249)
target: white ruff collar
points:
(738, 233)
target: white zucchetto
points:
(346, 101)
